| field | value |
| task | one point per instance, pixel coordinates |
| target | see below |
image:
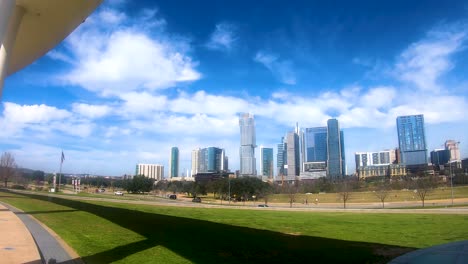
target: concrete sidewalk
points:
(34, 242)
(16, 242)
(451, 253)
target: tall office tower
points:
(247, 145)
(412, 139)
(452, 146)
(336, 166)
(174, 163)
(266, 165)
(293, 154)
(152, 171)
(195, 161)
(212, 160)
(281, 158)
(315, 144)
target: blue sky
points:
(138, 77)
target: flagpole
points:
(62, 157)
(60, 175)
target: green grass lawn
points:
(369, 197)
(126, 233)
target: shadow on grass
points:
(207, 242)
(47, 212)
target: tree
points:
(423, 186)
(139, 183)
(344, 189)
(7, 167)
(382, 192)
(291, 189)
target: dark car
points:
(263, 205)
(173, 196)
(196, 200)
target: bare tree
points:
(423, 186)
(7, 167)
(291, 191)
(382, 192)
(344, 191)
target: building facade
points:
(315, 144)
(266, 164)
(195, 161)
(211, 159)
(152, 171)
(247, 144)
(412, 139)
(293, 155)
(388, 171)
(281, 158)
(384, 157)
(453, 147)
(440, 157)
(336, 165)
(174, 163)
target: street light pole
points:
(451, 181)
(229, 183)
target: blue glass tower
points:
(336, 165)
(412, 139)
(267, 162)
(315, 144)
(174, 163)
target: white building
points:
(153, 171)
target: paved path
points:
(51, 250)
(16, 243)
(451, 253)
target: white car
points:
(118, 193)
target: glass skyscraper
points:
(248, 144)
(174, 162)
(281, 157)
(293, 161)
(266, 155)
(211, 159)
(412, 139)
(336, 165)
(315, 144)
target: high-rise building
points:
(412, 139)
(454, 149)
(266, 165)
(440, 156)
(174, 163)
(247, 145)
(153, 171)
(293, 155)
(315, 144)
(195, 161)
(281, 158)
(336, 165)
(211, 159)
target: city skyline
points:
(137, 78)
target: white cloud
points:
(423, 62)
(223, 37)
(112, 57)
(281, 69)
(32, 114)
(91, 111)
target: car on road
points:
(173, 197)
(196, 200)
(263, 205)
(119, 193)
